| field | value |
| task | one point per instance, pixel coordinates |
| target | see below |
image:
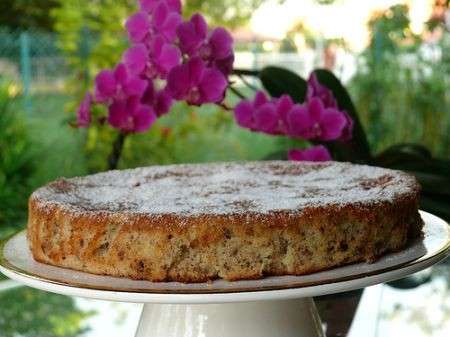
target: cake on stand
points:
(270, 307)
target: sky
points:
(343, 19)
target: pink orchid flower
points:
(153, 62)
(160, 100)
(315, 89)
(315, 122)
(315, 153)
(215, 48)
(130, 115)
(84, 111)
(162, 20)
(257, 115)
(196, 83)
(264, 115)
(118, 84)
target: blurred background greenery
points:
(398, 79)
(398, 76)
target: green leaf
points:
(279, 81)
(357, 150)
(413, 157)
(433, 174)
(279, 155)
(409, 148)
(436, 205)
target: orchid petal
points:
(163, 103)
(179, 82)
(84, 111)
(117, 116)
(170, 57)
(196, 68)
(105, 86)
(260, 99)
(149, 95)
(121, 74)
(170, 26)
(347, 133)
(138, 26)
(225, 65)
(221, 43)
(315, 89)
(213, 86)
(284, 105)
(315, 108)
(136, 58)
(135, 87)
(192, 34)
(148, 5)
(243, 113)
(143, 118)
(332, 124)
(299, 122)
(160, 14)
(317, 153)
(266, 118)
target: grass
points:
(56, 144)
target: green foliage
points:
(27, 14)
(32, 313)
(279, 81)
(390, 29)
(432, 173)
(57, 145)
(34, 149)
(401, 91)
(401, 86)
(16, 161)
(228, 13)
(92, 36)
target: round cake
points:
(194, 223)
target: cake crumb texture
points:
(194, 223)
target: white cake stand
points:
(271, 307)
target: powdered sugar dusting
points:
(228, 188)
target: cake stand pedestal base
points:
(280, 318)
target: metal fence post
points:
(25, 69)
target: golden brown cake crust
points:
(193, 223)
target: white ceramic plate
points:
(17, 263)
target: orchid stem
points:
(224, 106)
(116, 151)
(246, 72)
(247, 83)
(237, 92)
